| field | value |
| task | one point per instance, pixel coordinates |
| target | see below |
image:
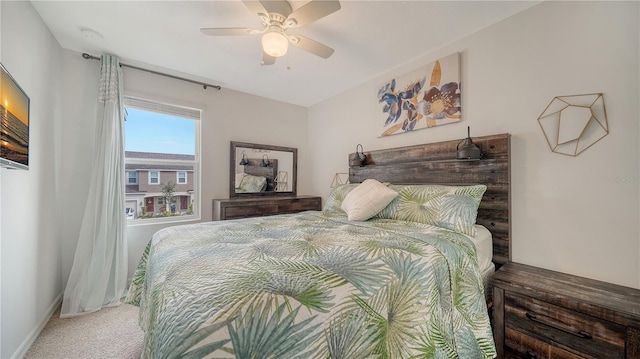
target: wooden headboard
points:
(271, 173)
(436, 163)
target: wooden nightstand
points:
(540, 313)
(263, 206)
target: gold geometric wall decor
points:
(571, 124)
(339, 179)
(281, 181)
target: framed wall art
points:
(14, 123)
(424, 98)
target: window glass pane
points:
(182, 177)
(161, 159)
(153, 132)
(154, 178)
(132, 177)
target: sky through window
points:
(147, 131)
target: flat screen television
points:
(14, 123)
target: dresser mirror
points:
(262, 170)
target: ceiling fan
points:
(277, 17)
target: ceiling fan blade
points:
(255, 7)
(312, 46)
(312, 11)
(281, 7)
(227, 31)
(267, 59)
(264, 7)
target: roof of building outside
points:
(138, 167)
(159, 156)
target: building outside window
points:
(154, 177)
(132, 177)
(161, 161)
(182, 177)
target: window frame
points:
(157, 177)
(134, 177)
(178, 177)
(191, 113)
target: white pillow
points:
(367, 199)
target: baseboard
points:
(28, 342)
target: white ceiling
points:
(369, 38)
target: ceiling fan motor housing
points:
(276, 20)
(281, 8)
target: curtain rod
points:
(204, 85)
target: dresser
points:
(540, 313)
(263, 206)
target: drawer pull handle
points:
(581, 334)
(531, 355)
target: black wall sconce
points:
(469, 150)
(244, 161)
(265, 161)
(362, 158)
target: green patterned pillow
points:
(252, 183)
(450, 207)
(337, 195)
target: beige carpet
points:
(107, 333)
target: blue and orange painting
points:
(410, 105)
(14, 122)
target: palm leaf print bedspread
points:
(311, 285)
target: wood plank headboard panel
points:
(436, 163)
(254, 168)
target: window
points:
(182, 178)
(132, 177)
(162, 144)
(154, 177)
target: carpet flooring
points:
(108, 333)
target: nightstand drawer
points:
(584, 335)
(519, 345)
(562, 309)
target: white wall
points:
(30, 267)
(77, 131)
(227, 115)
(578, 214)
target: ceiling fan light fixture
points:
(276, 17)
(274, 43)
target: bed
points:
(364, 278)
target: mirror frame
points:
(232, 167)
